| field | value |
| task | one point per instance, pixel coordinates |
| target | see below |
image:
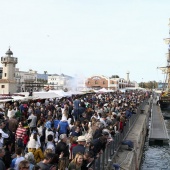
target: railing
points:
(105, 159)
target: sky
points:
(87, 37)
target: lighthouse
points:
(8, 83)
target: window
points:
(103, 82)
(96, 82)
(5, 74)
(88, 82)
(2, 86)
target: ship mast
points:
(167, 41)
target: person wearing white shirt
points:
(50, 144)
(3, 134)
(103, 120)
(11, 112)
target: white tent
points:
(60, 93)
(110, 90)
(45, 95)
(76, 92)
(15, 98)
(103, 90)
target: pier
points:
(158, 133)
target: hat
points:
(81, 139)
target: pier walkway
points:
(158, 132)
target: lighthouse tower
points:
(127, 76)
(8, 83)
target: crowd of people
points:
(67, 133)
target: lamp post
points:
(46, 79)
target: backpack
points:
(20, 143)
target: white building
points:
(56, 81)
(26, 81)
(8, 82)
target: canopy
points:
(45, 95)
(103, 90)
(60, 93)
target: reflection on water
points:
(157, 157)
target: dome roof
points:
(9, 52)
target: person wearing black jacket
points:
(63, 148)
(100, 143)
(7, 157)
(80, 148)
(2, 153)
(88, 160)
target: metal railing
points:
(105, 159)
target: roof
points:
(9, 52)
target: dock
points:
(158, 133)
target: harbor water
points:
(157, 157)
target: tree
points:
(149, 85)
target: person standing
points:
(50, 143)
(24, 165)
(76, 163)
(2, 153)
(20, 133)
(63, 126)
(18, 159)
(12, 124)
(45, 164)
(33, 121)
(80, 148)
(76, 105)
(63, 148)
(3, 134)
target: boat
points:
(166, 114)
(164, 98)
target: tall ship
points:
(164, 99)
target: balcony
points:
(9, 60)
(17, 77)
(29, 80)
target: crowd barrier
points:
(106, 158)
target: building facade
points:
(56, 82)
(26, 81)
(97, 82)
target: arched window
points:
(96, 82)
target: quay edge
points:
(130, 160)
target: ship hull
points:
(165, 103)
